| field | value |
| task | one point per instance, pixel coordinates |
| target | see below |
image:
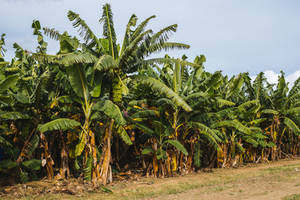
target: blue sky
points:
(234, 35)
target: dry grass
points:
(278, 180)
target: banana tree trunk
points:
(64, 170)
(168, 163)
(225, 155)
(95, 173)
(155, 166)
(23, 151)
(46, 157)
(190, 159)
(106, 155)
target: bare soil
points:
(274, 180)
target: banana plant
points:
(171, 86)
(2, 51)
(68, 111)
(159, 143)
(87, 91)
(28, 83)
(113, 61)
(118, 61)
(284, 111)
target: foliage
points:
(96, 107)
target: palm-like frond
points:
(280, 94)
(143, 128)
(84, 30)
(52, 33)
(58, 124)
(123, 134)
(293, 95)
(111, 110)
(291, 125)
(258, 85)
(168, 61)
(270, 111)
(78, 81)
(222, 102)
(32, 164)
(228, 113)
(249, 88)
(77, 58)
(257, 121)
(291, 100)
(8, 82)
(2, 50)
(145, 114)
(109, 30)
(247, 105)
(178, 146)
(105, 62)
(212, 82)
(137, 102)
(140, 28)
(166, 101)
(132, 22)
(196, 95)
(235, 85)
(87, 171)
(163, 35)
(3, 63)
(233, 124)
(161, 88)
(293, 110)
(296, 88)
(7, 164)
(154, 48)
(6, 115)
(43, 58)
(203, 129)
(44, 81)
(132, 47)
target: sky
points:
(234, 35)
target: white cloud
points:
(293, 77)
(271, 76)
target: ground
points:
(274, 180)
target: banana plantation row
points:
(97, 108)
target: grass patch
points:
(292, 197)
(285, 168)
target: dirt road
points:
(276, 180)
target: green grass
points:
(292, 197)
(285, 168)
